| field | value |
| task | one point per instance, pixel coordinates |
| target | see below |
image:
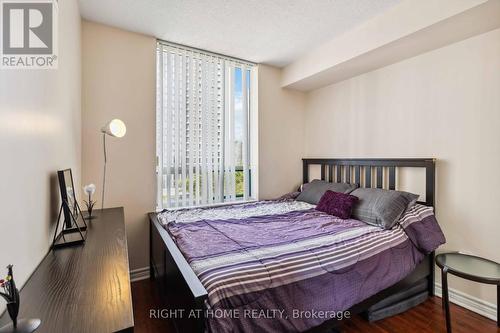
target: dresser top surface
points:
(83, 288)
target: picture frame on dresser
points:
(72, 232)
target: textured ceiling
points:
(274, 32)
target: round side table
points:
(467, 267)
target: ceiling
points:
(273, 32)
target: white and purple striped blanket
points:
(287, 256)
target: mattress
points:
(282, 266)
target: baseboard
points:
(469, 302)
(139, 274)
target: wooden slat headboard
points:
(351, 171)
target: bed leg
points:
(151, 269)
(200, 322)
(431, 277)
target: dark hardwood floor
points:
(425, 318)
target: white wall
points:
(119, 81)
(443, 104)
(281, 131)
(409, 28)
(40, 133)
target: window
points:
(206, 122)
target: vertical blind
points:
(203, 127)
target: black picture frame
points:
(73, 232)
(67, 189)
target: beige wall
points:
(443, 104)
(40, 133)
(119, 71)
(281, 127)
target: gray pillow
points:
(313, 191)
(380, 207)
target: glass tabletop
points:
(470, 265)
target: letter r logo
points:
(27, 27)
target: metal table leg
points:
(446, 301)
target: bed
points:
(281, 265)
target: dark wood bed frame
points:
(182, 291)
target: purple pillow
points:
(337, 204)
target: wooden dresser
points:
(83, 288)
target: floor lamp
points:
(115, 128)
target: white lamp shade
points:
(115, 128)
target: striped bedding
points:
(270, 260)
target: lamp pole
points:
(117, 129)
(104, 173)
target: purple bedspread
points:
(292, 270)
